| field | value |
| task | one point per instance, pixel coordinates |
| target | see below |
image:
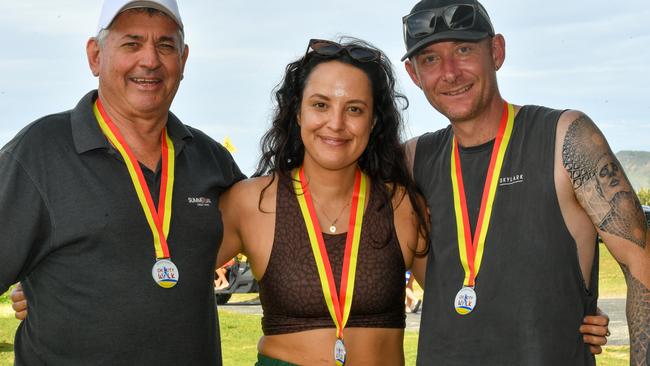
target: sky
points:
(593, 56)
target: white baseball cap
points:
(112, 8)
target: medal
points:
(465, 300)
(471, 247)
(165, 273)
(338, 304)
(339, 352)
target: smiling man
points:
(512, 271)
(98, 212)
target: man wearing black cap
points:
(512, 270)
(99, 214)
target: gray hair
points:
(103, 34)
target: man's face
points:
(140, 64)
(458, 78)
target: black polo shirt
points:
(73, 231)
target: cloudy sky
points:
(588, 55)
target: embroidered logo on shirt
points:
(200, 201)
(508, 181)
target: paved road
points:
(615, 308)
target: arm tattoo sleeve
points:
(638, 318)
(600, 183)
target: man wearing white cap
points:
(99, 209)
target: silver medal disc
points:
(465, 301)
(339, 352)
(165, 273)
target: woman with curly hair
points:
(332, 159)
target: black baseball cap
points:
(438, 20)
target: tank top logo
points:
(508, 181)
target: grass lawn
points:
(8, 327)
(239, 336)
(611, 281)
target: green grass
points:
(410, 346)
(8, 325)
(4, 298)
(611, 282)
(239, 336)
(614, 356)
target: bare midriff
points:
(364, 346)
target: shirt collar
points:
(87, 135)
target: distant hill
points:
(637, 167)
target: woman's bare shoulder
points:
(246, 193)
(251, 185)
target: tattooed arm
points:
(606, 196)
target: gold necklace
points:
(332, 227)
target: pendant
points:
(339, 352)
(465, 300)
(332, 229)
(165, 273)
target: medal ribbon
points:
(338, 304)
(470, 247)
(159, 219)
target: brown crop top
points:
(290, 290)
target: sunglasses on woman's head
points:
(328, 49)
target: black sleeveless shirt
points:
(290, 290)
(531, 296)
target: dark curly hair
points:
(384, 159)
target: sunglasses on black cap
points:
(455, 17)
(328, 49)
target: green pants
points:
(268, 361)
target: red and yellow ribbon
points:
(158, 219)
(471, 247)
(338, 304)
